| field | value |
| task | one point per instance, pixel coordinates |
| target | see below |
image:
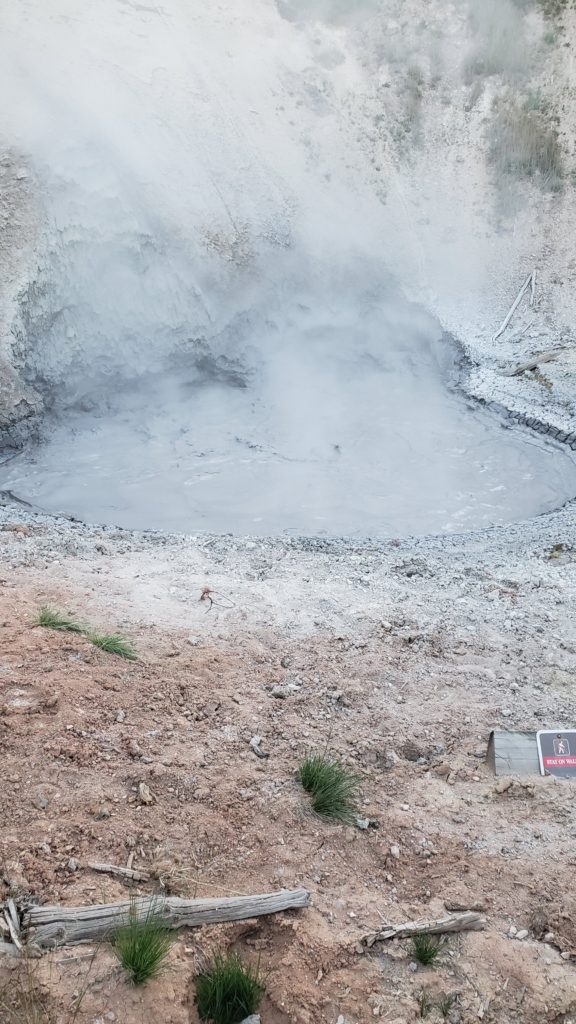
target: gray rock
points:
(280, 692)
(255, 745)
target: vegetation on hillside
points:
(524, 140)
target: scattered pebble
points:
(144, 794)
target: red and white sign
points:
(557, 752)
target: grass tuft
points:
(425, 1004)
(24, 998)
(446, 1004)
(50, 618)
(425, 949)
(114, 643)
(228, 992)
(333, 788)
(142, 945)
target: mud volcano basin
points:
(318, 425)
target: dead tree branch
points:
(452, 923)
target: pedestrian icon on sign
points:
(561, 746)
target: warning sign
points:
(557, 752)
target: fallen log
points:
(534, 363)
(452, 923)
(66, 926)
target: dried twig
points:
(207, 596)
(119, 872)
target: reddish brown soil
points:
(224, 821)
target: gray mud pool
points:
(328, 430)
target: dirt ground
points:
(408, 706)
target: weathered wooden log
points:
(534, 363)
(453, 923)
(63, 926)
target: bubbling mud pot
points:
(324, 423)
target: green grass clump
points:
(333, 788)
(525, 141)
(142, 945)
(228, 992)
(425, 949)
(425, 1004)
(52, 619)
(114, 643)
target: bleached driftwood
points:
(63, 926)
(530, 282)
(452, 923)
(8, 949)
(119, 872)
(532, 364)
